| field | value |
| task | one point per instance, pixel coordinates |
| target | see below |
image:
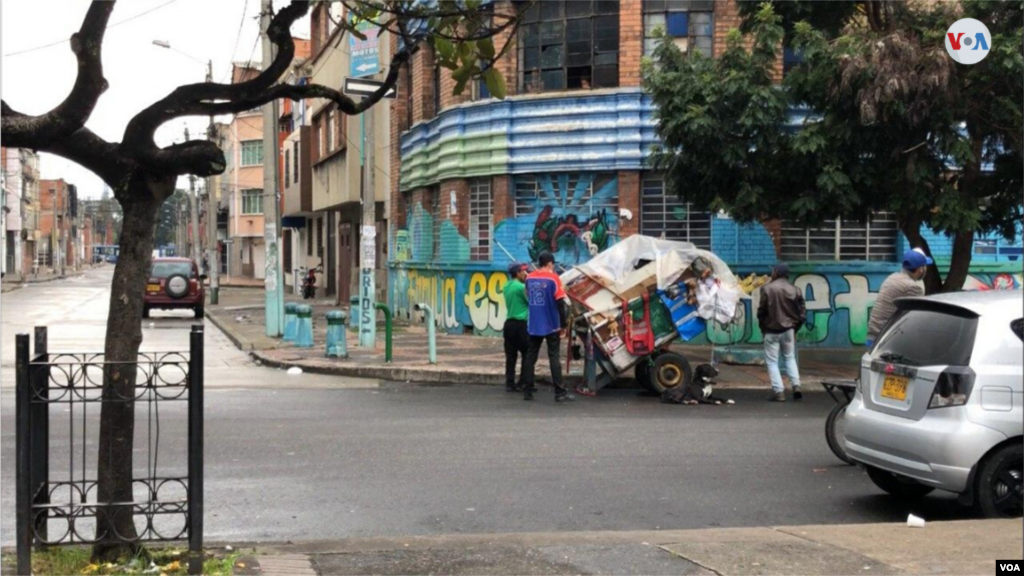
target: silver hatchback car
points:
(940, 401)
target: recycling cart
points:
(633, 300)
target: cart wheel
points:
(834, 432)
(643, 375)
(670, 371)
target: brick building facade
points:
(559, 165)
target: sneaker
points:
(797, 393)
(567, 397)
(777, 396)
(584, 391)
(513, 389)
(528, 396)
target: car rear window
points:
(168, 269)
(927, 338)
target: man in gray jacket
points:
(780, 313)
(906, 282)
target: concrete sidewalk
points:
(966, 547)
(460, 359)
(13, 282)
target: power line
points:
(118, 23)
(238, 37)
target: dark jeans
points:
(553, 340)
(517, 345)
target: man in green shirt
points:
(517, 340)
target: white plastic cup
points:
(915, 522)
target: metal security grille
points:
(437, 218)
(481, 207)
(664, 214)
(575, 193)
(874, 240)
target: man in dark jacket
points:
(780, 313)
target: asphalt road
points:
(312, 458)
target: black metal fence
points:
(59, 398)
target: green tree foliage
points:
(893, 123)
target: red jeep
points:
(174, 283)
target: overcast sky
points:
(138, 72)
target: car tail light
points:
(192, 286)
(953, 388)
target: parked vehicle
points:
(174, 283)
(940, 401)
(309, 282)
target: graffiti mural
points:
(572, 215)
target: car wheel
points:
(199, 312)
(670, 371)
(834, 432)
(999, 489)
(145, 311)
(896, 485)
(643, 375)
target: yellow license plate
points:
(152, 288)
(895, 387)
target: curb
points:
(241, 342)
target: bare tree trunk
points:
(960, 264)
(140, 202)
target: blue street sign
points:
(364, 59)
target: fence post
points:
(195, 450)
(39, 378)
(23, 443)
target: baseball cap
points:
(914, 259)
(515, 267)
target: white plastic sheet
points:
(671, 259)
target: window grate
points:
(664, 214)
(481, 207)
(873, 241)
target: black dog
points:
(700, 390)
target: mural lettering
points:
(486, 301)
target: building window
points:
(664, 214)
(328, 130)
(331, 132)
(435, 212)
(874, 240)
(690, 24)
(320, 237)
(252, 153)
(295, 155)
(791, 58)
(481, 207)
(252, 201)
(287, 165)
(569, 44)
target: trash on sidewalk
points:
(915, 522)
(638, 296)
(294, 371)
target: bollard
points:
(431, 340)
(304, 328)
(337, 347)
(353, 312)
(291, 322)
(387, 330)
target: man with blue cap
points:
(906, 282)
(517, 339)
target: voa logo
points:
(968, 41)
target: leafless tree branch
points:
(22, 130)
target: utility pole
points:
(193, 208)
(274, 281)
(368, 236)
(212, 250)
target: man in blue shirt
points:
(545, 323)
